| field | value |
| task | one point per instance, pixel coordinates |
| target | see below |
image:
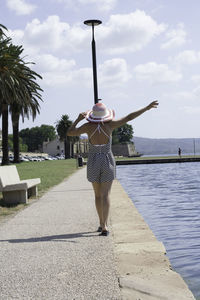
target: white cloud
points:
(128, 32)
(175, 37)
(187, 57)
(79, 77)
(196, 91)
(186, 96)
(196, 78)
(102, 5)
(192, 110)
(51, 35)
(179, 96)
(113, 72)
(157, 73)
(50, 63)
(62, 72)
(121, 34)
(21, 7)
(17, 35)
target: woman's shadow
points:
(55, 238)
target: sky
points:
(146, 50)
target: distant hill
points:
(166, 146)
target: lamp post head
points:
(92, 22)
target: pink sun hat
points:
(100, 113)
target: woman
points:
(101, 163)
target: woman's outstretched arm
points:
(133, 115)
(73, 131)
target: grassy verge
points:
(50, 173)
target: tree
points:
(35, 136)
(19, 90)
(24, 135)
(6, 80)
(62, 126)
(16, 110)
(47, 132)
(123, 134)
(29, 107)
(10, 142)
(22, 147)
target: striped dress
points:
(101, 165)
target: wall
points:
(124, 149)
(55, 147)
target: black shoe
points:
(99, 229)
(104, 233)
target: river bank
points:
(144, 269)
(157, 160)
(167, 196)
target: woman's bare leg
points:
(105, 189)
(98, 201)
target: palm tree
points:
(3, 107)
(16, 110)
(62, 126)
(29, 106)
(9, 58)
(18, 88)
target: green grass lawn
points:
(50, 173)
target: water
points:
(168, 197)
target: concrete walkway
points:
(51, 249)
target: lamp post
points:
(194, 147)
(94, 23)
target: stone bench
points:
(15, 190)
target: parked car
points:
(23, 158)
(41, 158)
(48, 158)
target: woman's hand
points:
(153, 104)
(82, 116)
(73, 131)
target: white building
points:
(55, 147)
